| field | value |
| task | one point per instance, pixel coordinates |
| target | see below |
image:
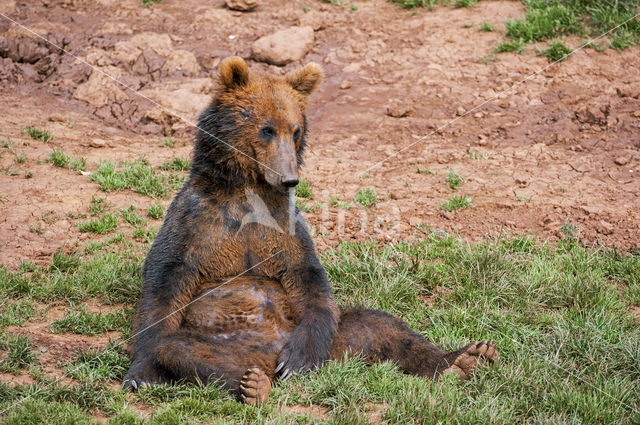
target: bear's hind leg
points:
(379, 336)
(234, 364)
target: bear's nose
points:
(290, 182)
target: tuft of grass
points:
(304, 189)
(138, 176)
(570, 231)
(176, 164)
(108, 364)
(456, 203)
(78, 164)
(105, 224)
(454, 179)
(19, 353)
(150, 3)
(465, 3)
(486, 26)
(424, 171)
(556, 52)
(83, 322)
(132, 217)
(58, 158)
(98, 206)
(366, 197)
(156, 211)
(516, 46)
(37, 133)
(410, 4)
(336, 202)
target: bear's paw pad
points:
(472, 355)
(255, 386)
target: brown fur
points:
(236, 293)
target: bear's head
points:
(255, 128)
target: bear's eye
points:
(296, 133)
(267, 133)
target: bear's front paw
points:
(299, 356)
(141, 375)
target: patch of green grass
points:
(465, 3)
(454, 179)
(456, 203)
(176, 164)
(80, 321)
(156, 211)
(570, 231)
(147, 234)
(105, 224)
(336, 202)
(138, 176)
(516, 46)
(556, 52)
(424, 171)
(78, 164)
(108, 364)
(98, 205)
(58, 158)
(304, 189)
(366, 197)
(150, 3)
(486, 26)
(167, 142)
(37, 133)
(410, 4)
(19, 352)
(132, 217)
(15, 312)
(547, 19)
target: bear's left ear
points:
(305, 80)
(234, 72)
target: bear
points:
(233, 290)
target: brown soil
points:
(562, 146)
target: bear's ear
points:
(234, 72)
(305, 80)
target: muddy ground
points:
(399, 95)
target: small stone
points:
(395, 195)
(478, 115)
(521, 180)
(605, 228)
(283, 47)
(636, 114)
(622, 160)
(460, 110)
(241, 5)
(97, 144)
(345, 84)
(55, 117)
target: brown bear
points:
(233, 290)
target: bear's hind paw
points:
(255, 386)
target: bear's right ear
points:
(234, 72)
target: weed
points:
(366, 197)
(168, 141)
(456, 203)
(37, 133)
(486, 26)
(570, 231)
(454, 179)
(105, 224)
(58, 158)
(21, 159)
(556, 52)
(304, 190)
(156, 211)
(424, 171)
(19, 353)
(132, 217)
(78, 164)
(340, 204)
(510, 46)
(98, 206)
(353, 7)
(138, 176)
(176, 164)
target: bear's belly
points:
(247, 306)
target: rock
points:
(605, 228)
(99, 89)
(398, 109)
(55, 117)
(284, 46)
(622, 160)
(395, 195)
(241, 5)
(636, 114)
(345, 84)
(460, 110)
(184, 61)
(315, 20)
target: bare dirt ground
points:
(564, 145)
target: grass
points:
(58, 158)
(570, 353)
(456, 203)
(80, 321)
(176, 164)
(156, 211)
(19, 351)
(366, 197)
(454, 179)
(556, 52)
(37, 133)
(102, 225)
(138, 176)
(486, 26)
(304, 189)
